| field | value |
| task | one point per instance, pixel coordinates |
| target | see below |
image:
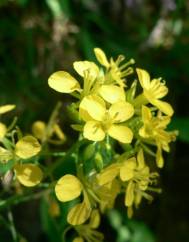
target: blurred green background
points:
(40, 37)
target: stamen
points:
(128, 63)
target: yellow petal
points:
(164, 107)
(146, 114)
(140, 159)
(39, 129)
(138, 198)
(164, 121)
(127, 169)
(121, 133)
(28, 174)
(78, 239)
(121, 111)
(95, 106)
(68, 188)
(129, 196)
(93, 131)
(78, 214)
(112, 93)
(101, 57)
(108, 194)
(27, 147)
(62, 81)
(6, 108)
(94, 219)
(158, 88)
(143, 132)
(144, 78)
(108, 174)
(143, 184)
(3, 130)
(84, 115)
(82, 66)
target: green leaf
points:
(140, 232)
(182, 125)
(129, 230)
(55, 7)
(5, 167)
(49, 224)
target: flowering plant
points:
(122, 130)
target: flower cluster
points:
(112, 111)
(122, 124)
(17, 151)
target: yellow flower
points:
(153, 91)
(115, 71)
(107, 194)
(100, 121)
(62, 81)
(28, 174)
(139, 179)
(108, 174)
(154, 129)
(125, 169)
(137, 174)
(27, 147)
(6, 108)
(68, 188)
(134, 172)
(89, 71)
(87, 232)
(44, 133)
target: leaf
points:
(54, 7)
(140, 232)
(5, 167)
(49, 224)
(182, 125)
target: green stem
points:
(148, 150)
(62, 160)
(56, 154)
(52, 120)
(75, 94)
(13, 123)
(12, 226)
(4, 222)
(14, 200)
(65, 231)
